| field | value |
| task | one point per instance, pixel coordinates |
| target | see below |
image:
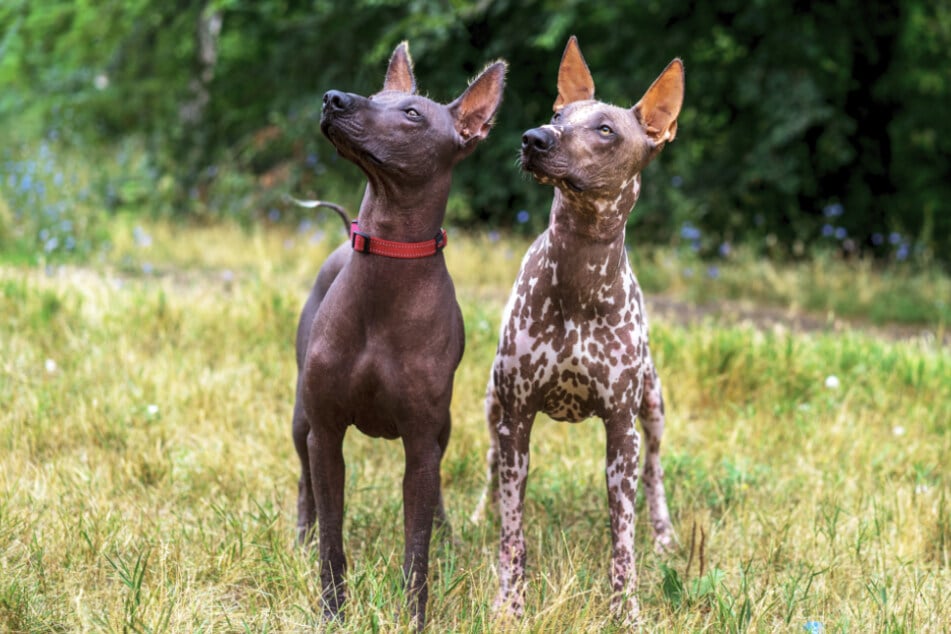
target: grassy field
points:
(148, 481)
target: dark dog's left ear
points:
(399, 75)
(658, 109)
(474, 109)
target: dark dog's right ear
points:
(574, 79)
(474, 109)
(399, 75)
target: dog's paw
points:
(626, 611)
(664, 542)
(508, 606)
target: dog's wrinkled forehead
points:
(593, 114)
(404, 101)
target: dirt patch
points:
(771, 318)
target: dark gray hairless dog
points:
(574, 333)
(381, 333)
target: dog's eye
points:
(556, 117)
(605, 130)
(412, 113)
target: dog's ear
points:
(474, 109)
(658, 109)
(574, 79)
(399, 75)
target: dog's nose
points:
(337, 101)
(538, 139)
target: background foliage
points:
(805, 125)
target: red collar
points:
(363, 243)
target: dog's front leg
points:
(421, 496)
(513, 440)
(325, 450)
(623, 444)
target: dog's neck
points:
(404, 214)
(595, 218)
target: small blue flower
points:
(522, 217)
(274, 214)
(695, 246)
(304, 226)
(147, 268)
(494, 236)
(713, 272)
(840, 233)
(877, 239)
(311, 160)
(894, 237)
(142, 238)
(827, 230)
(689, 232)
(676, 181)
(902, 252)
(813, 627)
(51, 244)
(833, 211)
(725, 249)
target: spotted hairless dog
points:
(574, 340)
(381, 334)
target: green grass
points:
(148, 481)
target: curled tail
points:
(313, 204)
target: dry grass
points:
(147, 479)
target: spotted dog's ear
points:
(574, 79)
(658, 109)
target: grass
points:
(148, 480)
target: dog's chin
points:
(352, 153)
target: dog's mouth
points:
(546, 178)
(544, 174)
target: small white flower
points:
(898, 430)
(101, 82)
(152, 409)
(50, 366)
(832, 382)
(921, 488)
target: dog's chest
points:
(573, 342)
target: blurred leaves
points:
(790, 107)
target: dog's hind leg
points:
(490, 494)
(652, 422)
(306, 505)
(441, 521)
